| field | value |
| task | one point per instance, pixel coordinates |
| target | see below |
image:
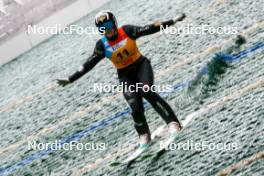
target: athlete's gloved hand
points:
(63, 82)
(179, 18)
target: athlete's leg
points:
(134, 99)
(145, 76)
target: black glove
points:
(179, 18)
(63, 82)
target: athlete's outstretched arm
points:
(86, 67)
(97, 55)
(138, 31)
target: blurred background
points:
(16, 15)
(224, 101)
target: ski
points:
(167, 142)
(139, 151)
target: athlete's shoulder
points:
(127, 26)
(99, 44)
(99, 48)
(130, 30)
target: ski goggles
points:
(106, 26)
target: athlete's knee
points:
(136, 106)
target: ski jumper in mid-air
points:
(118, 44)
